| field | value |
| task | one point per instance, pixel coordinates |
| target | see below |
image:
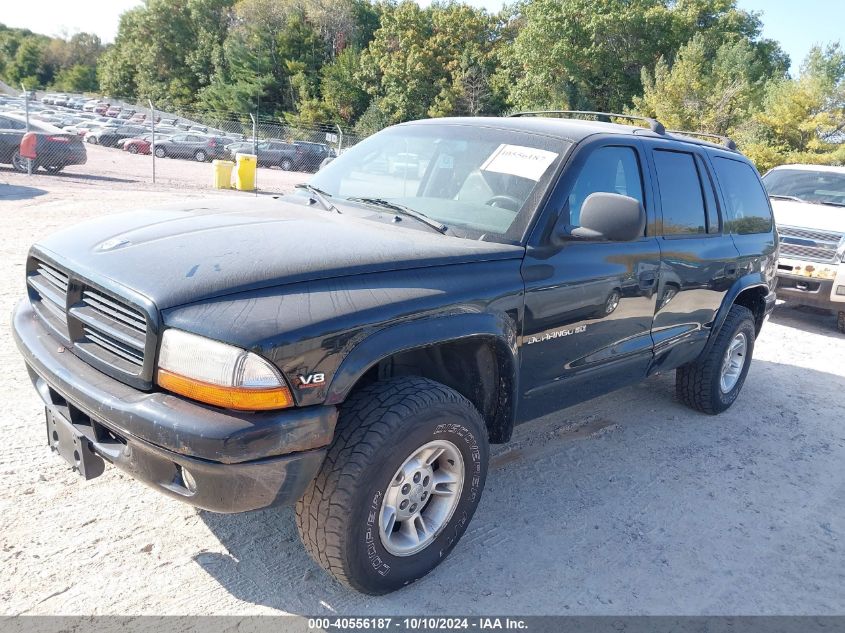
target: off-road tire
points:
(379, 427)
(840, 321)
(697, 384)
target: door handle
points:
(647, 280)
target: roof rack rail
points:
(724, 141)
(653, 124)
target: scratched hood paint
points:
(180, 254)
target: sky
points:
(796, 25)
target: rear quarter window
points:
(746, 203)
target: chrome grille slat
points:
(115, 311)
(47, 293)
(57, 278)
(114, 346)
(115, 329)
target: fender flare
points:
(740, 285)
(499, 328)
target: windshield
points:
(480, 182)
(823, 187)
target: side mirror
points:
(606, 216)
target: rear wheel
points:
(399, 485)
(713, 382)
(19, 162)
(200, 156)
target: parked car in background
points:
(139, 144)
(196, 146)
(809, 206)
(270, 153)
(101, 108)
(309, 156)
(55, 149)
(109, 136)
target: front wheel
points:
(160, 153)
(132, 149)
(286, 164)
(399, 485)
(713, 382)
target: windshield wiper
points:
(782, 197)
(319, 195)
(832, 204)
(403, 210)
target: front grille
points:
(48, 291)
(108, 331)
(112, 330)
(800, 243)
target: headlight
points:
(219, 374)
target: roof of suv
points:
(570, 129)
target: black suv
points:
(353, 348)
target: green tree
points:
(589, 54)
(803, 119)
(704, 89)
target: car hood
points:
(180, 254)
(807, 215)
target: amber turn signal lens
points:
(240, 398)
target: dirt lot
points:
(630, 504)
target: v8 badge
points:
(311, 380)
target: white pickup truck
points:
(809, 206)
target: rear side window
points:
(747, 206)
(612, 169)
(681, 195)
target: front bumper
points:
(811, 283)
(237, 461)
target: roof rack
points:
(653, 124)
(724, 141)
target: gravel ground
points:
(629, 504)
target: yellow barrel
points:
(245, 172)
(222, 173)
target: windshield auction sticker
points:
(517, 160)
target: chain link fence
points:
(105, 140)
